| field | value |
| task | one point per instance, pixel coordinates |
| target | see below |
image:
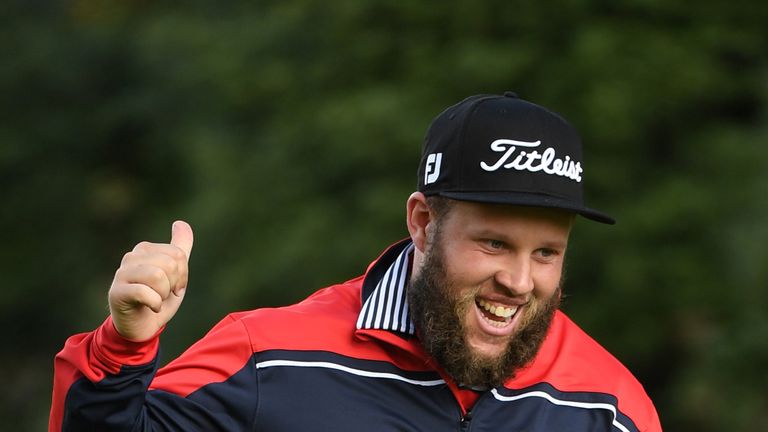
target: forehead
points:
(505, 217)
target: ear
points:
(418, 219)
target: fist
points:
(150, 284)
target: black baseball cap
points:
(506, 150)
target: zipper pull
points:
(464, 423)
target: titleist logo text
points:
(533, 161)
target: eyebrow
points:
(555, 244)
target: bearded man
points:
(457, 327)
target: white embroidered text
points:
(534, 161)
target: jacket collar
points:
(384, 299)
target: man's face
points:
(488, 287)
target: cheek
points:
(463, 287)
(547, 282)
(469, 269)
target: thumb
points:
(182, 237)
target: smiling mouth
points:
(494, 314)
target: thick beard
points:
(437, 312)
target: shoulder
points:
(571, 348)
(310, 324)
(578, 362)
(572, 361)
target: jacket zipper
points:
(465, 421)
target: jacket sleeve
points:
(103, 381)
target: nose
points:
(516, 278)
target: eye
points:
(495, 244)
(547, 253)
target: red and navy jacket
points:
(346, 359)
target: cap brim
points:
(530, 200)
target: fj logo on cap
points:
(531, 161)
(432, 171)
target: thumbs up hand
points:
(150, 284)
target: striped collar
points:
(386, 308)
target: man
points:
(455, 328)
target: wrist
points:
(115, 350)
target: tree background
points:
(288, 134)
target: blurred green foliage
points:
(287, 133)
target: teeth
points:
(499, 311)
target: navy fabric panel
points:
(113, 403)
(320, 399)
(536, 413)
(301, 398)
(222, 406)
(121, 403)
